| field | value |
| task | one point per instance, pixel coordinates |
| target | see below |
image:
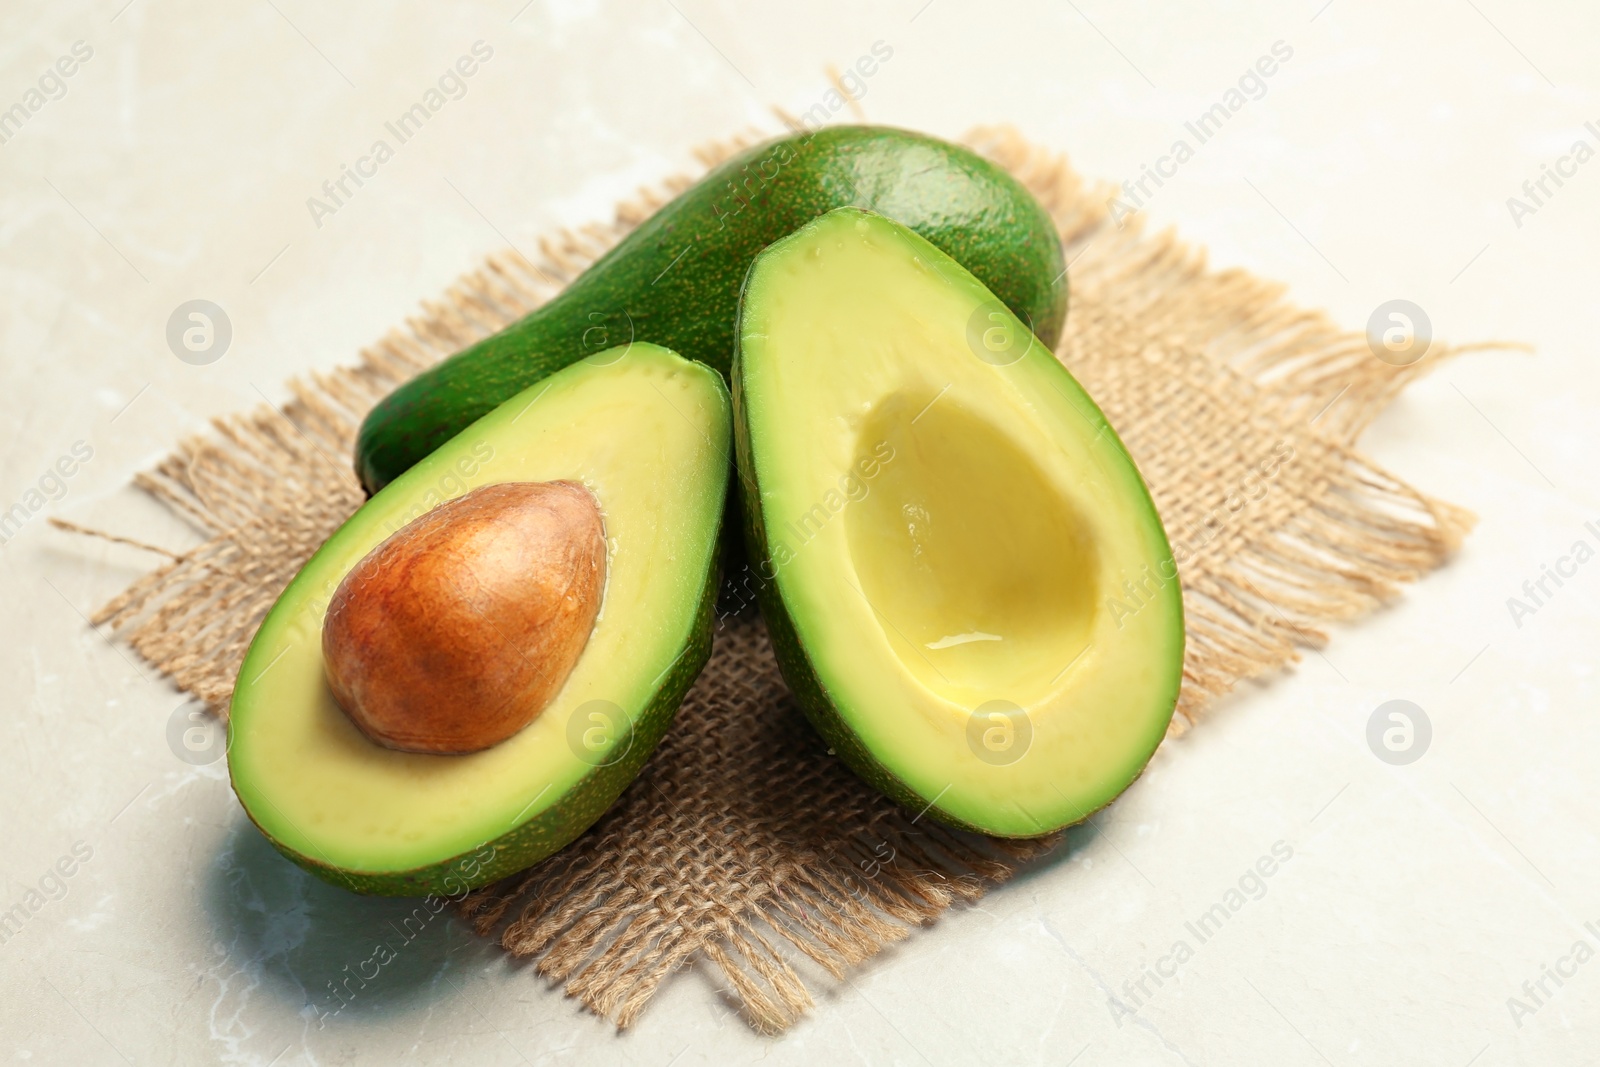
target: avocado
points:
(968, 588)
(647, 433)
(674, 280)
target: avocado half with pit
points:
(945, 523)
(647, 434)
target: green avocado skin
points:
(561, 823)
(675, 280)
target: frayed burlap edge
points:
(1278, 585)
(1369, 534)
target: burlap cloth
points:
(744, 844)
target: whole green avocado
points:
(675, 280)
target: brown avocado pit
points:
(455, 632)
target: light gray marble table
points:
(176, 161)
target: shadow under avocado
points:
(323, 951)
(1074, 840)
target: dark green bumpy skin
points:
(675, 280)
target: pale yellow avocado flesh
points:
(951, 534)
(647, 433)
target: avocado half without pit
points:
(513, 622)
(942, 518)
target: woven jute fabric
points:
(745, 846)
